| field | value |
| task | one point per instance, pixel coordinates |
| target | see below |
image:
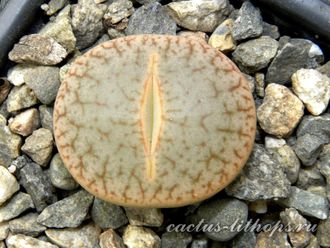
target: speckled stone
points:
(244, 240)
(84, 236)
(37, 49)
(59, 175)
(323, 231)
(262, 178)
(110, 239)
(46, 116)
(108, 215)
(39, 146)
(68, 212)
(277, 240)
(151, 19)
(27, 225)
(20, 241)
(140, 237)
(202, 16)
(53, 6)
(280, 111)
(307, 203)
(313, 88)
(61, 30)
(15, 206)
(8, 185)
(117, 11)
(25, 123)
(10, 144)
(87, 22)
(175, 239)
(21, 97)
(37, 183)
(310, 176)
(144, 216)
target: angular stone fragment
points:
(20, 240)
(144, 216)
(280, 111)
(8, 185)
(69, 212)
(222, 38)
(110, 239)
(21, 97)
(10, 145)
(39, 146)
(37, 49)
(202, 16)
(27, 225)
(25, 123)
(140, 237)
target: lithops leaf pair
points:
(154, 121)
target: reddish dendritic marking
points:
(154, 121)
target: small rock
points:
(175, 239)
(53, 6)
(25, 123)
(310, 177)
(313, 89)
(69, 212)
(294, 55)
(61, 30)
(117, 11)
(151, 19)
(325, 69)
(18, 164)
(286, 157)
(4, 230)
(84, 236)
(222, 39)
(251, 82)
(10, 145)
(110, 239)
(199, 243)
(60, 176)
(248, 23)
(20, 241)
(260, 84)
(140, 237)
(15, 206)
(318, 190)
(87, 23)
(307, 203)
(16, 74)
(280, 111)
(312, 133)
(20, 97)
(202, 16)
(299, 236)
(254, 55)
(39, 146)
(37, 183)
(270, 30)
(5, 88)
(262, 178)
(277, 240)
(322, 233)
(37, 49)
(144, 216)
(27, 225)
(222, 213)
(323, 162)
(313, 243)
(108, 215)
(8, 185)
(46, 116)
(147, 1)
(245, 240)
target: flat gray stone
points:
(68, 212)
(46, 116)
(27, 225)
(262, 178)
(151, 19)
(20, 240)
(175, 239)
(15, 206)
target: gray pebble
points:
(46, 117)
(310, 177)
(60, 176)
(37, 49)
(68, 212)
(87, 22)
(254, 55)
(37, 183)
(144, 216)
(199, 243)
(15, 206)
(20, 240)
(307, 203)
(175, 239)
(108, 215)
(294, 55)
(53, 6)
(322, 233)
(20, 97)
(151, 19)
(221, 214)
(245, 240)
(262, 178)
(27, 225)
(270, 30)
(10, 144)
(248, 23)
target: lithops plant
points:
(154, 121)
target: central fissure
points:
(151, 113)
